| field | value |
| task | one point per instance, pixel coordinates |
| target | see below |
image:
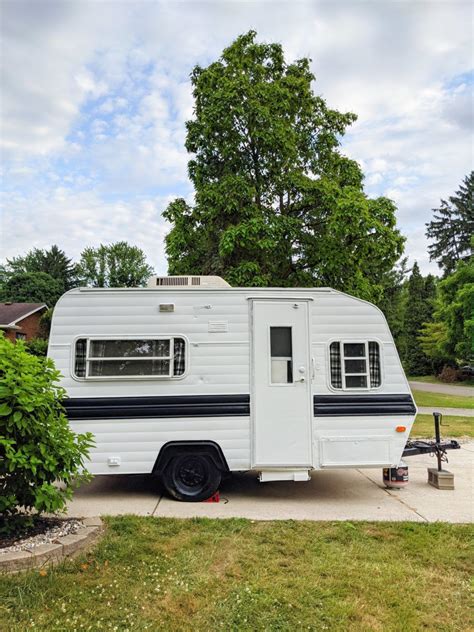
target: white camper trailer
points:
(191, 378)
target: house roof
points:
(11, 313)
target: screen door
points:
(281, 393)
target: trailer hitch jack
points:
(439, 478)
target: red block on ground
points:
(215, 498)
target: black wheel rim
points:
(191, 474)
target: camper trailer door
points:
(281, 383)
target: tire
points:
(191, 477)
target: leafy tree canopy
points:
(275, 201)
(114, 265)
(53, 262)
(452, 227)
(31, 287)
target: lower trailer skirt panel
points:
(136, 443)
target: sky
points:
(95, 95)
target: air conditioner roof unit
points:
(184, 282)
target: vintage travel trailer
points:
(191, 379)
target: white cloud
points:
(74, 220)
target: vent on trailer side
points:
(187, 281)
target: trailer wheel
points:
(191, 477)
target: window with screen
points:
(281, 351)
(130, 357)
(355, 365)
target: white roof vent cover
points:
(177, 282)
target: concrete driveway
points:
(330, 495)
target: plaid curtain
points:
(80, 358)
(374, 364)
(179, 356)
(335, 361)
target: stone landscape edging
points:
(54, 552)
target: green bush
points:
(41, 458)
(37, 346)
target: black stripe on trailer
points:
(352, 405)
(227, 406)
(158, 406)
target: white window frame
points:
(365, 342)
(170, 357)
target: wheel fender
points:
(176, 448)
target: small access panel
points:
(281, 384)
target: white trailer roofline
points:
(212, 290)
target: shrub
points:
(38, 450)
(45, 323)
(449, 374)
(37, 346)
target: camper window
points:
(129, 357)
(355, 364)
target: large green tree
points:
(275, 201)
(419, 307)
(452, 227)
(114, 265)
(31, 287)
(53, 262)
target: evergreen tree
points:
(53, 262)
(275, 201)
(392, 302)
(420, 295)
(452, 227)
(451, 336)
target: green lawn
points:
(424, 398)
(167, 574)
(432, 379)
(452, 427)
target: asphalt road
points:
(456, 412)
(448, 389)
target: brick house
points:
(21, 321)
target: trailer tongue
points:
(430, 447)
(397, 477)
(437, 446)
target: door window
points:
(281, 350)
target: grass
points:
(452, 427)
(442, 400)
(432, 379)
(201, 574)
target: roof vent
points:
(176, 282)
